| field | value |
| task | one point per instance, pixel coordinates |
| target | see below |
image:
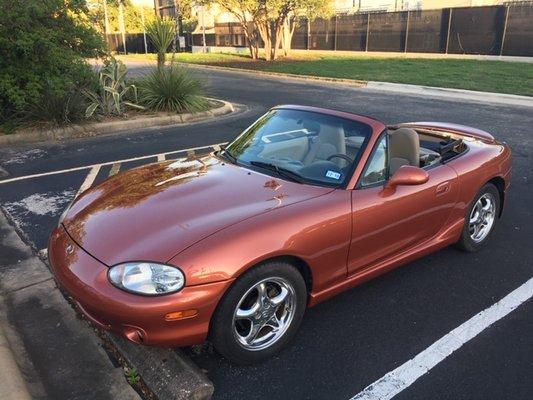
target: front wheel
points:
(260, 313)
(480, 219)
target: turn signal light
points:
(173, 316)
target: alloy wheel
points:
(264, 313)
(482, 217)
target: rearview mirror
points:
(407, 175)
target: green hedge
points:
(42, 48)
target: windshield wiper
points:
(283, 172)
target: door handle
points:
(442, 188)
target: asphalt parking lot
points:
(355, 339)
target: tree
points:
(303, 10)
(273, 20)
(122, 24)
(132, 15)
(246, 12)
(42, 50)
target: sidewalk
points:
(46, 351)
(12, 386)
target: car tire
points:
(485, 207)
(253, 306)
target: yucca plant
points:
(161, 32)
(114, 93)
(171, 89)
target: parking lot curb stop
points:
(167, 373)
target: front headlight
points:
(146, 278)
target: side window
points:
(376, 170)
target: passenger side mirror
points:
(407, 175)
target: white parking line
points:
(114, 169)
(63, 171)
(89, 179)
(161, 157)
(402, 377)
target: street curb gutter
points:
(102, 128)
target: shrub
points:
(171, 89)
(59, 108)
(113, 94)
(42, 45)
(161, 32)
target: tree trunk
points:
(160, 59)
(122, 24)
(288, 32)
(278, 35)
(252, 40)
(176, 31)
(266, 35)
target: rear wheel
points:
(480, 219)
(260, 313)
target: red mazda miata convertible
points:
(305, 203)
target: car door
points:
(388, 222)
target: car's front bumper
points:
(138, 318)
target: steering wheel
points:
(343, 156)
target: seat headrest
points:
(404, 143)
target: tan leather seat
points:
(404, 149)
(330, 140)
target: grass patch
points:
(482, 75)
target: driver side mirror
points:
(407, 175)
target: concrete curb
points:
(167, 373)
(102, 128)
(455, 94)
(431, 91)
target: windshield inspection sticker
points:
(333, 175)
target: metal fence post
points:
(144, 31)
(335, 38)
(449, 27)
(504, 28)
(367, 31)
(406, 33)
(308, 33)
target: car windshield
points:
(301, 146)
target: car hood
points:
(156, 211)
